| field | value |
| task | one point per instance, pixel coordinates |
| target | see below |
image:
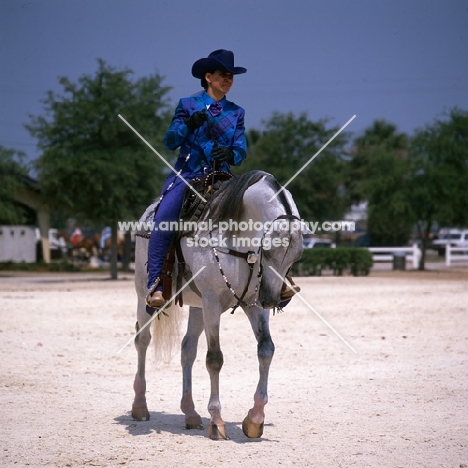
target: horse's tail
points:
(167, 333)
(166, 326)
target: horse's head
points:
(282, 246)
(257, 200)
(282, 236)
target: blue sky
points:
(405, 61)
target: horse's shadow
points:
(161, 422)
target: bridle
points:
(251, 257)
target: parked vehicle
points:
(317, 242)
(454, 237)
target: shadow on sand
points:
(161, 422)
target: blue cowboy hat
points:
(220, 59)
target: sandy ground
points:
(400, 401)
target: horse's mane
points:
(227, 203)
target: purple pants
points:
(168, 210)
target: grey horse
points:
(239, 255)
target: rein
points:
(251, 258)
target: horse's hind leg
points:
(188, 355)
(142, 340)
(259, 320)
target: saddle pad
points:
(145, 224)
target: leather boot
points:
(286, 291)
(155, 300)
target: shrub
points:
(356, 260)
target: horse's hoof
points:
(251, 429)
(193, 422)
(217, 431)
(140, 413)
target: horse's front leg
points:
(188, 355)
(142, 340)
(259, 320)
(214, 363)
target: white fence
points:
(385, 254)
(455, 254)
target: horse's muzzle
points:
(267, 297)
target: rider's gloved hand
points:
(196, 120)
(222, 153)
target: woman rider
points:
(207, 128)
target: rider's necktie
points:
(215, 109)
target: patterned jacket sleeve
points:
(239, 144)
(178, 130)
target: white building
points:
(17, 244)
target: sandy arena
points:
(400, 401)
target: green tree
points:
(285, 145)
(12, 171)
(92, 164)
(378, 173)
(439, 175)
